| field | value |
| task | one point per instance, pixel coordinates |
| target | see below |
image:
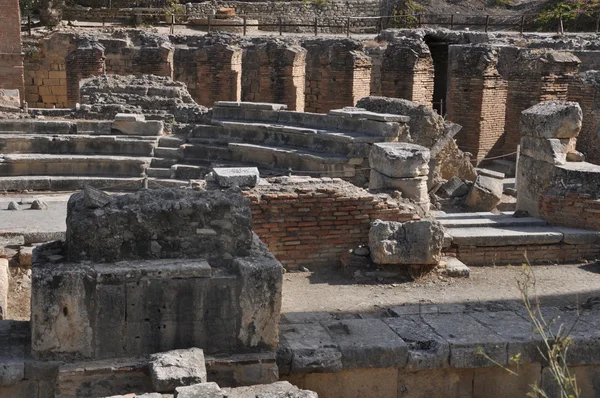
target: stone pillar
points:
(83, 61)
(476, 99)
(274, 71)
(584, 89)
(533, 76)
(407, 72)
(11, 56)
(338, 74)
(219, 71)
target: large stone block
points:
(236, 176)
(134, 127)
(552, 119)
(485, 194)
(549, 150)
(413, 242)
(399, 160)
(177, 368)
(412, 188)
(166, 223)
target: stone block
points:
(280, 389)
(25, 256)
(442, 383)
(307, 348)
(10, 98)
(355, 383)
(453, 188)
(549, 150)
(413, 242)
(426, 350)
(11, 372)
(495, 382)
(177, 368)
(399, 160)
(200, 390)
(552, 119)
(413, 188)
(367, 343)
(485, 193)
(94, 198)
(144, 128)
(236, 176)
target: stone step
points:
(508, 167)
(504, 236)
(171, 141)
(163, 163)
(77, 144)
(299, 160)
(455, 268)
(491, 221)
(159, 172)
(206, 151)
(171, 153)
(189, 172)
(69, 183)
(72, 165)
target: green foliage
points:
(404, 14)
(173, 7)
(28, 7)
(580, 14)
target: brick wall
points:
(11, 59)
(311, 221)
(85, 60)
(534, 76)
(274, 71)
(338, 74)
(584, 88)
(477, 100)
(570, 210)
(219, 74)
(407, 72)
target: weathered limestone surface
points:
(485, 194)
(413, 242)
(236, 176)
(177, 368)
(399, 160)
(552, 119)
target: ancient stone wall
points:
(338, 74)
(86, 59)
(533, 76)
(579, 210)
(311, 222)
(274, 71)
(407, 71)
(476, 99)
(331, 13)
(11, 58)
(584, 89)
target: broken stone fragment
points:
(549, 150)
(413, 242)
(552, 119)
(201, 390)
(177, 368)
(94, 198)
(39, 205)
(575, 156)
(453, 188)
(12, 205)
(236, 176)
(399, 160)
(485, 194)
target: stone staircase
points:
(489, 239)
(66, 155)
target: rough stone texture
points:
(584, 88)
(84, 59)
(453, 188)
(177, 368)
(236, 177)
(411, 188)
(485, 193)
(200, 390)
(413, 242)
(11, 58)
(94, 198)
(134, 226)
(157, 96)
(552, 119)
(399, 160)
(280, 389)
(549, 150)
(307, 348)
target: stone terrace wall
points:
(334, 12)
(572, 209)
(311, 221)
(11, 59)
(584, 88)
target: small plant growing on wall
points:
(171, 9)
(405, 14)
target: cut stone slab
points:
(280, 389)
(453, 188)
(426, 349)
(177, 368)
(485, 194)
(490, 173)
(500, 220)
(130, 117)
(200, 390)
(10, 98)
(576, 236)
(145, 128)
(94, 198)
(465, 335)
(413, 242)
(504, 236)
(455, 268)
(307, 348)
(237, 176)
(552, 119)
(11, 372)
(367, 343)
(399, 160)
